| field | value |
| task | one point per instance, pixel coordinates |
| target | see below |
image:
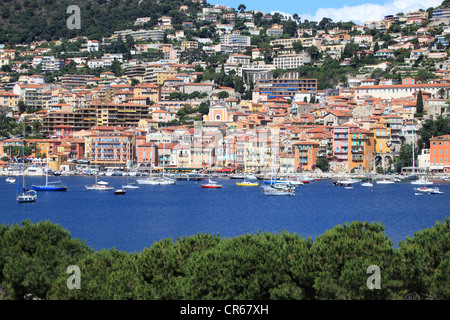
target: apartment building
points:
(75, 80)
(274, 32)
(361, 148)
(96, 114)
(286, 88)
(111, 146)
(147, 90)
(291, 61)
(49, 64)
(440, 153)
(9, 99)
(235, 39)
(398, 91)
(34, 96)
(305, 155)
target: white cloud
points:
(369, 11)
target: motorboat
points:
(120, 191)
(130, 186)
(422, 181)
(424, 189)
(345, 183)
(10, 180)
(156, 181)
(273, 191)
(385, 181)
(435, 191)
(366, 184)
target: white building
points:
(291, 61)
(398, 91)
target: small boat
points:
(269, 191)
(211, 185)
(435, 191)
(367, 184)
(385, 181)
(130, 186)
(418, 194)
(424, 189)
(422, 181)
(120, 191)
(247, 184)
(348, 187)
(237, 176)
(10, 180)
(345, 183)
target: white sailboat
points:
(99, 186)
(157, 180)
(129, 185)
(368, 183)
(24, 195)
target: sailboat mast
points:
(413, 168)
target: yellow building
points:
(9, 99)
(382, 138)
(163, 75)
(147, 90)
(56, 160)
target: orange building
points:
(440, 153)
(362, 147)
(111, 146)
(305, 155)
(147, 153)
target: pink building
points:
(163, 116)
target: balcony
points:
(358, 150)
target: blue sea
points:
(134, 221)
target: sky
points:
(358, 11)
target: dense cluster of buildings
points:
(287, 124)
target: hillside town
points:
(232, 90)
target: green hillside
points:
(31, 20)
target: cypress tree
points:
(419, 103)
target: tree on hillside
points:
(242, 7)
(419, 103)
(32, 256)
(433, 128)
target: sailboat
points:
(50, 186)
(158, 180)
(99, 186)
(24, 195)
(211, 184)
(368, 183)
(246, 183)
(129, 185)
